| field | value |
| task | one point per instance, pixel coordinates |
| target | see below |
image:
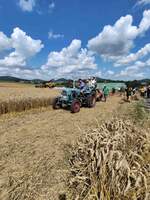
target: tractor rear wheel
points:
(91, 101)
(75, 106)
(56, 104)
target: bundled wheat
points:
(111, 163)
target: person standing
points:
(113, 91)
(142, 91)
(128, 93)
(105, 92)
(94, 82)
(148, 92)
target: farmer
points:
(91, 82)
(94, 82)
(105, 92)
(128, 93)
(113, 91)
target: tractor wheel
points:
(91, 101)
(75, 106)
(56, 104)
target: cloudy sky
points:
(75, 38)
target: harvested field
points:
(21, 97)
(33, 158)
(34, 148)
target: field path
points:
(33, 161)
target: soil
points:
(33, 158)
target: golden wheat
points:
(111, 163)
(20, 99)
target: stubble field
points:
(33, 162)
(35, 147)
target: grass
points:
(139, 113)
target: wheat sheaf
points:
(111, 162)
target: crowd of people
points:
(129, 92)
(88, 83)
(143, 91)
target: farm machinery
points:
(74, 99)
(45, 85)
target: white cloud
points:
(115, 41)
(134, 71)
(133, 57)
(27, 5)
(24, 48)
(145, 22)
(24, 73)
(5, 42)
(72, 61)
(130, 73)
(110, 72)
(13, 60)
(24, 44)
(51, 6)
(51, 35)
(143, 2)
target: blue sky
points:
(73, 38)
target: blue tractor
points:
(74, 99)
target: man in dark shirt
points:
(148, 92)
(128, 93)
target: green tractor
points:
(74, 99)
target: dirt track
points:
(32, 149)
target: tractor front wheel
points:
(75, 106)
(91, 102)
(56, 103)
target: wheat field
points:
(21, 97)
